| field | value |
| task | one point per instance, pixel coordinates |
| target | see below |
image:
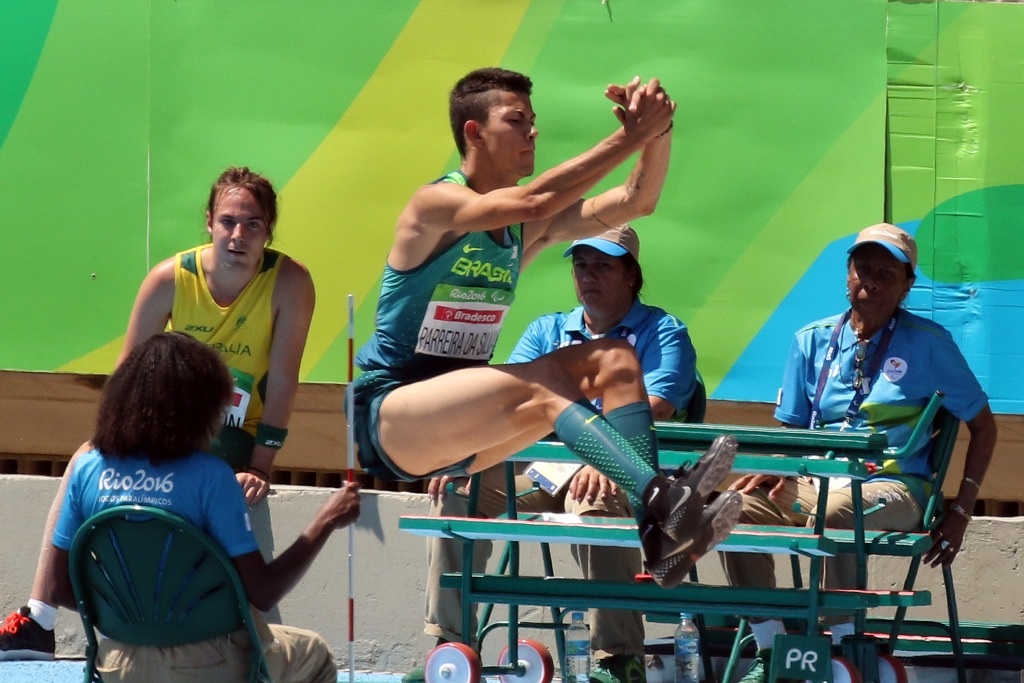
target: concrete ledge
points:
(390, 566)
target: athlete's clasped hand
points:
(643, 109)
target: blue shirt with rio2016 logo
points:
(201, 488)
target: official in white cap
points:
(872, 368)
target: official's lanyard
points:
(581, 337)
(861, 392)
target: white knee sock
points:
(765, 632)
(43, 614)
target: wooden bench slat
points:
(583, 593)
(672, 458)
(611, 531)
(676, 440)
(621, 532)
(888, 543)
(801, 442)
(616, 531)
(977, 638)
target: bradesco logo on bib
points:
(463, 322)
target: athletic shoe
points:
(619, 669)
(669, 561)
(689, 488)
(21, 637)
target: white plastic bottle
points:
(577, 651)
(687, 647)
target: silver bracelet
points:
(971, 481)
(959, 509)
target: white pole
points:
(351, 451)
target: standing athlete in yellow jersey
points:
(253, 305)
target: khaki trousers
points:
(613, 632)
(293, 655)
(901, 512)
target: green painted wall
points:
(115, 118)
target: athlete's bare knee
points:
(593, 368)
(618, 363)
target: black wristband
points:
(270, 436)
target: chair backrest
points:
(945, 427)
(697, 406)
(145, 576)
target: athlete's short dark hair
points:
(164, 401)
(474, 94)
(258, 186)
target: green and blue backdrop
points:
(799, 123)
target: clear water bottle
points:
(577, 651)
(687, 647)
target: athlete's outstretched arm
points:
(266, 583)
(636, 197)
(451, 207)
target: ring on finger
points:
(944, 544)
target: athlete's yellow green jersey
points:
(242, 332)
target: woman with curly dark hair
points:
(165, 401)
(156, 417)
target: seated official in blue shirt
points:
(608, 278)
(871, 368)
